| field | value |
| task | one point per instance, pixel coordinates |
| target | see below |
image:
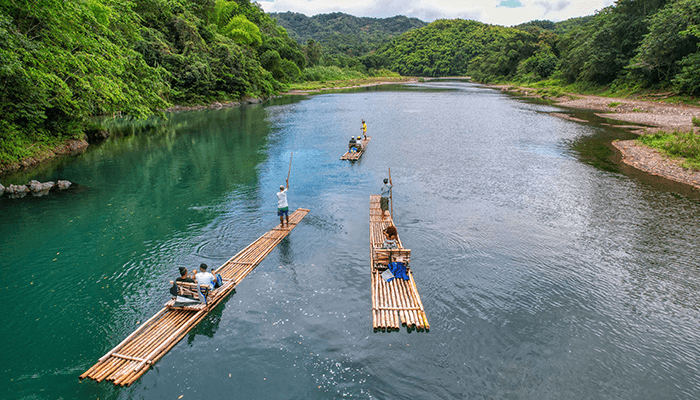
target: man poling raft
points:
(282, 205)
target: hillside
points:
(633, 46)
(340, 33)
(442, 48)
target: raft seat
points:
(382, 257)
(189, 290)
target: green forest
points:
(341, 39)
(634, 44)
(63, 63)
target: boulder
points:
(17, 191)
(40, 189)
(34, 186)
(63, 185)
(2, 189)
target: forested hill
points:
(443, 48)
(633, 44)
(340, 33)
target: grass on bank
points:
(554, 87)
(676, 144)
(321, 77)
(16, 146)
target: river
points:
(548, 270)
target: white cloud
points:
(487, 11)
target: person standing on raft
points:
(282, 206)
(364, 129)
(384, 199)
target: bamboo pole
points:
(402, 306)
(394, 303)
(374, 310)
(391, 196)
(150, 355)
(414, 308)
(133, 347)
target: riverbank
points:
(654, 115)
(69, 147)
(318, 86)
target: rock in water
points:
(40, 189)
(17, 191)
(62, 185)
(2, 189)
(34, 186)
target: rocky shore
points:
(655, 114)
(35, 188)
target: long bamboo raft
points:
(356, 155)
(130, 359)
(396, 303)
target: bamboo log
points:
(143, 326)
(401, 306)
(411, 292)
(166, 342)
(394, 303)
(393, 315)
(418, 300)
(132, 348)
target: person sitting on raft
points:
(205, 279)
(182, 278)
(359, 143)
(352, 145)
(391, 237)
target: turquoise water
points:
(547, 269)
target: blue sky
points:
(500, 12)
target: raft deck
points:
(130, 359)
(356, 155)
(396, 303)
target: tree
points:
(313, 52)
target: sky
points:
(498, 12)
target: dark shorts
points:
(283, 211)
(384, 203)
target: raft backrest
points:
(386, 256)
(187, 289)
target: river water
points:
(547, 269)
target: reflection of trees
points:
(152, 173)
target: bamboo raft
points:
(356, 155)
(396, 303)
(130, 359)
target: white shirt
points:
(386, 190)
(282, 199)
(205, 279)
